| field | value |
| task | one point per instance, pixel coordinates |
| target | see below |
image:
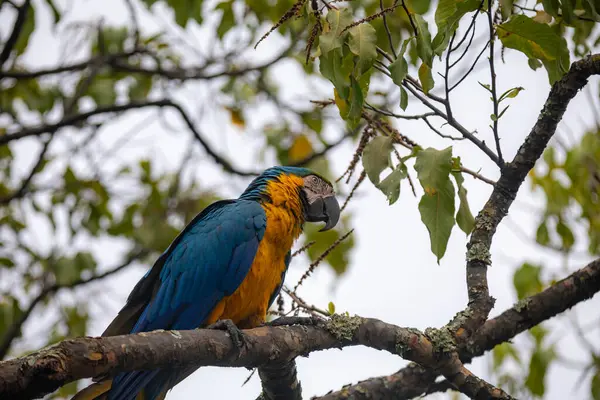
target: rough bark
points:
(414, 380)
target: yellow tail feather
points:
(96, 391)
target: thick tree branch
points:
(505, 191)
(414, 380)
(16, 31)
(74, 359)
(15, 328)
(279, 381)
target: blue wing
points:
(206, 262)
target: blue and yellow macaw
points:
(228, 264)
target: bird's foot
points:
(286, 321)
(237, 336)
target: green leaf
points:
(464, 217)
(424, 49)
(403, 99)
(376, 157)
(390, 186)
(337, 67)
(356, 101)
(26, 31)
(426, 78)
(331, 308)
(539, 41)
(227, 18)
(399, 68)
(332, 37)
(527, 280)
(437, 204)
(433, 167)
(437, 213)
(510, 93)
(363, 43)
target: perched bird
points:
(226, 266)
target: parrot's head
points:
(299, 188)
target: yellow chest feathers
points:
(247, 306)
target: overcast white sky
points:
(393, 274)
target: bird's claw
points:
(237, 336)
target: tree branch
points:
(505, 191)
(414, 380)
(279, 381)
(15, 328)
(70, 360)
(14, 35)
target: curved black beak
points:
(325, 209)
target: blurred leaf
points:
(9, 312)
(566, 235)
(362, 44)
(527, 280)
(300, 149)
(186, 10)
(227, 18)
(6, 262)
(339, 257)
(542, 235)
(376, 157)
(595, 386)
(503, 351)
(538, 366)
(331, 308)
(140, 88)
(418, 6)
(26, 30)
(102, 90)
(237, 117)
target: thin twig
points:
(387, 31)
(493, 77)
